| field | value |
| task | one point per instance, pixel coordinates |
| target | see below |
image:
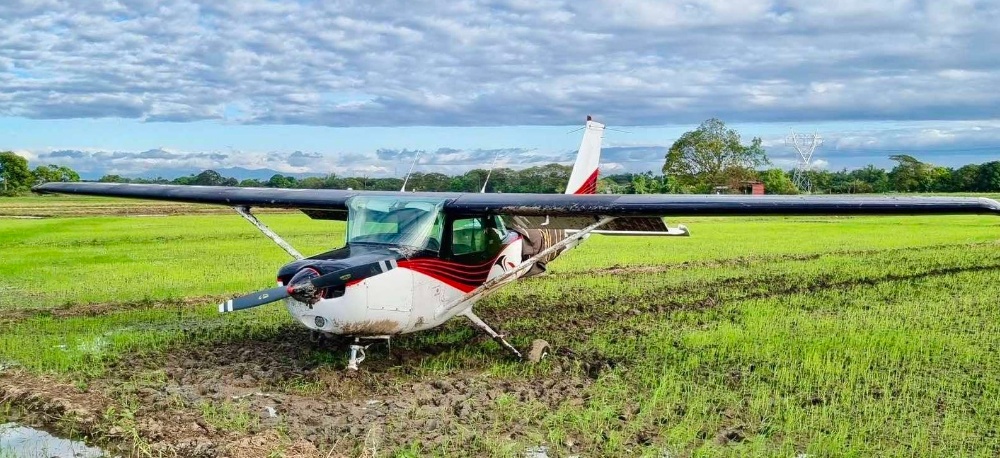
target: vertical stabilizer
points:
(583, 180)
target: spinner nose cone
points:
(300, 287)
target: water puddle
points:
(17, 441)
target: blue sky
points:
(139, 87)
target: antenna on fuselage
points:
(490, 172)
(412, 164)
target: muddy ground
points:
(287, 395)
(278, 395)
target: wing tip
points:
(990, 204)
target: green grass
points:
(755, 337)
(57, 261)
(230, 416)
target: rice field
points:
(832, 336)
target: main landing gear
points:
(495, 335)
(539, 348)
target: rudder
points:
(583, 179)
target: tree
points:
(208, 178)
(875, 177)
(911, 175)
(549, 178)
(776, 181)
(280, 181)
(113, 179)
(712, 155)
(646, 183)
(15, 176)
(311, 183)
(51, 172)
(251, 183)
(965, 178)
(989, 177)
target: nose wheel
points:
(357, 354)
(357, 350)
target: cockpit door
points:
(391, 291)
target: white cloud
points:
(473, 62)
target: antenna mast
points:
(408, 172)
(805, 145)
(490, 172)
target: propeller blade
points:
(254, 299)
(342, 276)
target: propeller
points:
(254, 299)
(308, 285)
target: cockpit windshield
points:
(396, 221)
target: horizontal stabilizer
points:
(679, 231)
(570, 223)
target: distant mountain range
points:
(239, 173)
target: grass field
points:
(768, 337)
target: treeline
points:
(549, 178)
(909, 175)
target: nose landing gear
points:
(357, 355)
(357, 352)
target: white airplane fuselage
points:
(405, 299)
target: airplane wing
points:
(334, 201)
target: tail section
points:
(583, 180)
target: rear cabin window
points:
(468, 237)
(477, 239)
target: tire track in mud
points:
(575, 321)
(45, 402)
(747, 261)
(15, 315)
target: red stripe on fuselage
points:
(462, 277)
(465, 288)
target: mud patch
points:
(371, 328)
(287, 396)
(89, 310)
(747, 261)
(46, 402)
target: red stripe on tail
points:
(589, 186)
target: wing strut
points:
(244, 211)
(514, 273)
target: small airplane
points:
(414, 260)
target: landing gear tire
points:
(539, 350)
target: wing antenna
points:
(416, 157)
(490, 172)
